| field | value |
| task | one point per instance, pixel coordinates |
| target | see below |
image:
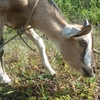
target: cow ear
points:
(71, 31)
(84, 31)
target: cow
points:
(74, 43)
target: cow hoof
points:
(51, 73)
(4, 78)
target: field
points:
(29, 82)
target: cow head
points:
(76, 48)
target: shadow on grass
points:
(33, 91)
(11, 94)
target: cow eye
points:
(83, 43)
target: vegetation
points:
(29, 82)
(80, 9)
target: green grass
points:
(79, 10)
(29, 82)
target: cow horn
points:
(96, 51)
(86, 22)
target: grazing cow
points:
(75, 44)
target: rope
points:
(26, 43)
(1, 47)
(22, 30)
(31, 13)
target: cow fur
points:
(48, 19)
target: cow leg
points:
(3, 76)
(40, 45)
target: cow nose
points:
(94, 70)
(88, 72)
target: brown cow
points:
(74, 44)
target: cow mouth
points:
(88, 72)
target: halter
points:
(21, 30)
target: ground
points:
(29, 82)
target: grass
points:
(80, 10)
(29, 82)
